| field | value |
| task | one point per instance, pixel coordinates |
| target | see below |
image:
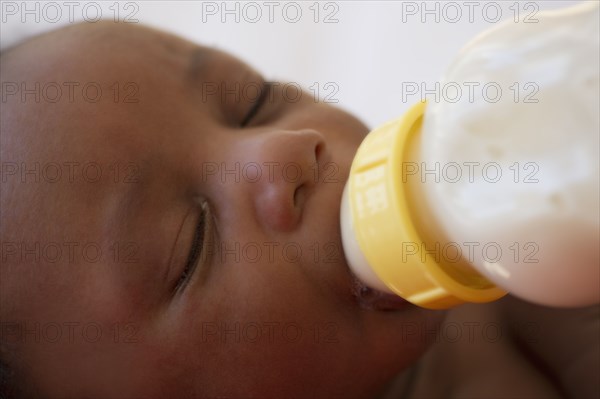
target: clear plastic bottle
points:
(463, 200)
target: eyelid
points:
(264, 94)
(199, 253)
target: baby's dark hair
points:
(14, 381)
(5, 380)
(8, 385)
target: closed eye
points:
(264, 94)
(198, 249)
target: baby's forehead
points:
(74, 97)
(107, 73)
(124, 58)
(100, 47)
(113, 85)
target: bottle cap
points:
(386, 233)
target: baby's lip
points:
(370, 298)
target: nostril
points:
(299, 196)
(319, 150)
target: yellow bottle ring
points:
(385, 229)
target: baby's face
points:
(221, 271)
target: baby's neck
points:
(403, 385)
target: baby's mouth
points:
(372, 299)
(365, 296)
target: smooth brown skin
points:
(171, 135)
(512, 349)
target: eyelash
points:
(257, 105)
(196, 251)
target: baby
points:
(170, 229)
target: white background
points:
(367, 50)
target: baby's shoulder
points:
(474, 356)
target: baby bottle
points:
(494, 191)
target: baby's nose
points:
(289, 164)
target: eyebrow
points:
(199, 59)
